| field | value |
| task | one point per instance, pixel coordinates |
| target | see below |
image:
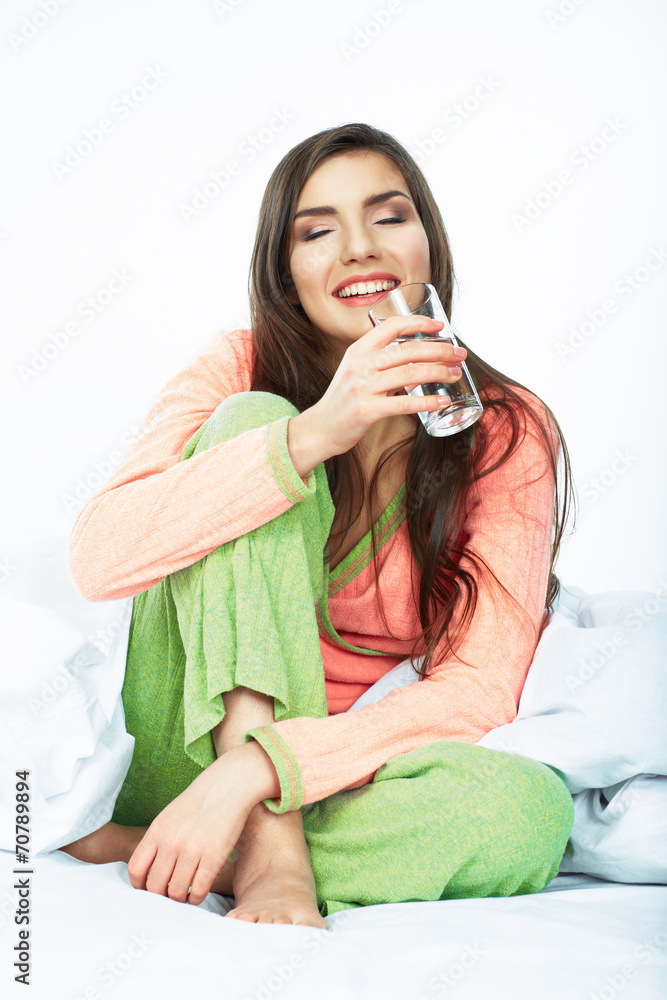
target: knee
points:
(537, 827)
(245, 410)
(519, 815)
(240, 412)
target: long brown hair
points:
(292, 360)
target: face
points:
(353, 230)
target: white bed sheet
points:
(581, 937)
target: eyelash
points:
(313, 236)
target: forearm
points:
(245, 708)
(259, 776)
(305, 443)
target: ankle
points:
(284, 827)
(272, 835)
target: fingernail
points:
(460, 352)
(454, 371)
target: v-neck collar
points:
(362, 553)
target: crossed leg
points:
(271, 876)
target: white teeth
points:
(365, 288)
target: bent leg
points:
(242, 616)
(448, 820)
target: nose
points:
(359, 243)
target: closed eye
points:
(380, 222)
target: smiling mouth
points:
(358, 290)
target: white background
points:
(220, 71)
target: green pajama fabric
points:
(243, 615)
(446, 820)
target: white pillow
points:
(594, 704)
(623, 839)
(61, 717)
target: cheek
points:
(308, 266)
(416, 250)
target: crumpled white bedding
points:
(594, 705)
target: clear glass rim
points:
(429, 293)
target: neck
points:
(385, 433)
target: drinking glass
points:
(420, 298)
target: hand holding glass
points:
(421, 298)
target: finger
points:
(394, 326)
(414, 351)
(204, 877)
(141, 861)
(419, 404)
(397, 378)
(161, 871)
(409, 388)
(400, 405)
(181, 877)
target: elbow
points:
(82, 579)
(87, 572)
(94, 580)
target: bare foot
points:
(273, 880)
(281, 893)
(112, 842)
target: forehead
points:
(348, 177)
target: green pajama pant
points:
(447, 820)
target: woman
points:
(291, 533)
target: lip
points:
(354, 300)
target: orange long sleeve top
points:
(158, 514)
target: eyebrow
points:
(374, 199)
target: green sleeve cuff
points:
(286, 765)
(282, 466)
